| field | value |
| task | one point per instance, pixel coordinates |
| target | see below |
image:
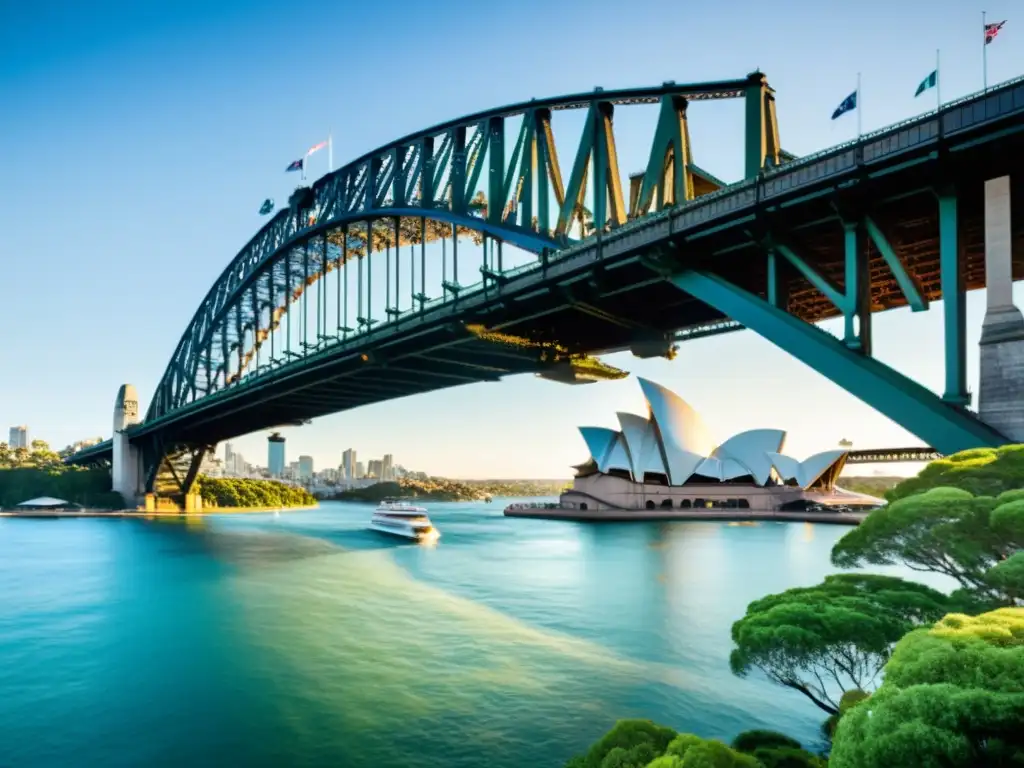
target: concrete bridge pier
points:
(126, 467)
(1001, 390)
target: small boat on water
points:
(397, 518)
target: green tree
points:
(748, 741)
(943, 530)
(953, 697)
(833, 637)
(946, 531)
(980, 471)
(776, 750)
(695, 752)
(634, 737)
(245, 492)
(1008, 577)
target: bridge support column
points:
(1001, 390)
(126, 466)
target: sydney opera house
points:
(669, 460)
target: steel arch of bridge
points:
(438, 175)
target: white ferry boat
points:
(399, 519)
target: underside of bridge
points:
(896, 219)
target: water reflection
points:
(306, 639)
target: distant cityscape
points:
(350, 472)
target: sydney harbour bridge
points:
(478, 248)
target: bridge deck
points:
(603, 294)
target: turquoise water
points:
(303, 639)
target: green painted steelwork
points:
(954, 297)
(917, 409)
(908, 284)
(668, 167)
(336, 203)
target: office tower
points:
(275, 455)
(360, 471)
(305, 468)
(348, 464)
(229, 454)
(19, 437)
(375, 469)
(387, 470)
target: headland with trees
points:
(904, 675)
(35, 471)
(443, 489)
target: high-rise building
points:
(19, 437)
(360, 471)
(229, 454)
(375, 469)
(348, 464)
(275, 455)
(305, 468)
(387, 469)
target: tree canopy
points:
(953, 697)
(980, 471)
(833, 637)
(244, 492)
(27, 473)
(643, 744)
(946, 531)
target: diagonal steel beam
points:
(912, 406)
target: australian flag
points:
(849, 104)
(296, 166)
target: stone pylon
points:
(1001, 390)
(126, 470)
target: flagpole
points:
(860, 107)
(938, 82)
(984, 54)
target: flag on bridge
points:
(319, 146)
(296, 166)
(929, 82)
(267, 207)
(849, 104)
(991, 30)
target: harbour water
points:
(303, 639)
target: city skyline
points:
(216, 165)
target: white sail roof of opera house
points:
(673, 440)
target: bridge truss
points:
(893, 219)
(493, 178)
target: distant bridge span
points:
(335, 304)
(892, 455)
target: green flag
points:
(929, 82)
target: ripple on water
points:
(306, 640)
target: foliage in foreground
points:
(953, 696)
(948, 531)
(243, 492)
(831, 638)
(643, 744)
(980, 471)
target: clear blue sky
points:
(138, 139)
